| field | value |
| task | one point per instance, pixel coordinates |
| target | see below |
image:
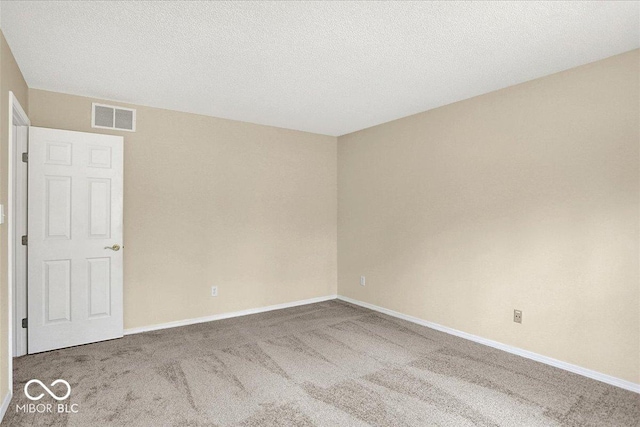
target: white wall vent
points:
(112, 117)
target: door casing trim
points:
(18, 117)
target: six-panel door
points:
(74, 220)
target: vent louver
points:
(112, 117)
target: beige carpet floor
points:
(324, 364)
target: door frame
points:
(17, 336)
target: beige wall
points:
(10, 80)
(248, 208)
(524, 198)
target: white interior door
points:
(74, 238)
(18, 212)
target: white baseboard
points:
(5, 404)
(627, 385)
(186, 322)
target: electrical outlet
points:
(362, 281)
(517, 316)
(214, 291)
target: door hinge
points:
(25, 323)
(25, 240)
(25, 157)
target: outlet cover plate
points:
(517, 316)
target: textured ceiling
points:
(325, 67)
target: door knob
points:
(113, 248)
